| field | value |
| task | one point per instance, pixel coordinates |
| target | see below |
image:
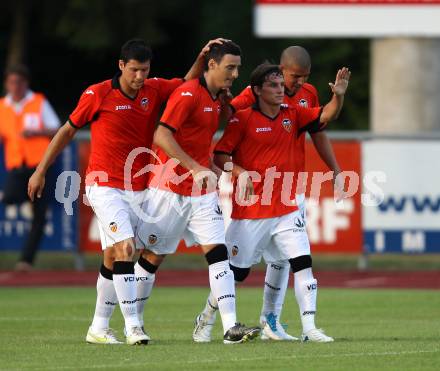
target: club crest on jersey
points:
(113, 227)
(234, 250)
(287, 125)
(144, 103)
(303, 103)
(152, 239)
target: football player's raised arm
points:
(197, 68)
(332, 109)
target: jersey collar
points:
(117, 85)
(202, 82)
(256, 107)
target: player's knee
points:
(240, 274)
(149, 264)
(124, 250)
(217, 254)
(151, 258)
(300, 262)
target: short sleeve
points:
(178, 109)
(232, 136)
(309, 119)
(166, 87)
(86, 108)
(244, 100)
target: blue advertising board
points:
(60, 233)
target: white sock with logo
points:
(275, 286)
(125, 286)
(144, 285)
(106, 301)
(306, 291)
(221, 280)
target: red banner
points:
(331, 230)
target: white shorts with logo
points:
(170, 217)
(301, 203)
(274, 239)
(116, 211)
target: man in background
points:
(27, 122)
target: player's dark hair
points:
(218, 51)
(136, 49)
(20, 70)
(260, 74)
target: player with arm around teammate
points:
(295, 64)
(256, 140)
(185, 201)
(122, 113)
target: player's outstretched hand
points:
(339, 87)
(225, 96)
(36, 185)
(205, 178)
(338, 187)
(245, 187)
(207, 47)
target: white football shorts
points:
(274, 239)
(169, 217)
(116, 211)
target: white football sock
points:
(125, 286)
(275, 286)
(306, 291)
(221, 280)
(211, 307)
(144, 285)
(106, 301)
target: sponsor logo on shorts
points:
(113, 227)
(287, 125)
(218, 210)
(152, 239)
(144, 103)
(299, 222)
(234, 250)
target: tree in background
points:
(73, 43)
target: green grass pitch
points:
(44, 329)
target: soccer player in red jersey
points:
(186, 205)
(122, 113)
(295, 64)
(261, 141)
